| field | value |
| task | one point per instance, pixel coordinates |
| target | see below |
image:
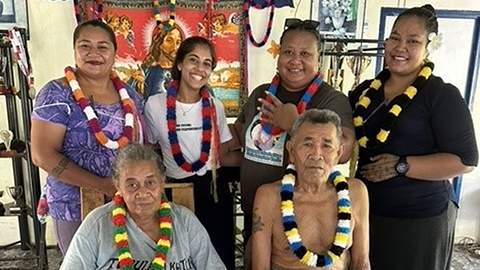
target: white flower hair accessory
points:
(435, 41)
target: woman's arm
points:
(228, 156)
(47, 141)
(434, 167)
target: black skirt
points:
(413, 244)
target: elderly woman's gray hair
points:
(317, 116)
(134, 152)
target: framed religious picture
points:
(338, 18)
(13, 13)
(147, 43)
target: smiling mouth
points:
(294, 70)
(197, 78)
(95, 63)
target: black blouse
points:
(437, 120)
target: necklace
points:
(187, 110)
(301, 106)
(172, 129)
(158, 18)
(396, 106)
(246, 6)
(119, 216)
(127, 103)
(342, 232)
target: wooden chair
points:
(182, 194)
(90, 199)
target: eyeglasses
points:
(294, 23)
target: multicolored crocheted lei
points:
(119, 216)
(248, 28)
(301, 106)
(158, 19)
(127, 103)
(395, 107)
(342, 233)
(172, 129)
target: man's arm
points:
(360, 243)
(262, 228)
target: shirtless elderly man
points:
(329, 226)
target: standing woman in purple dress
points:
(79, 122)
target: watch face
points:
(402, 168)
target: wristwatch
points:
(402, 166)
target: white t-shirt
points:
(189, 132)
(93, 246)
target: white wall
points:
(52, 24)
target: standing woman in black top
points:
(415, 132)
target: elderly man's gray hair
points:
(134, 152)
(318, 116)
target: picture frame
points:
(13, 13)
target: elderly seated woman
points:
(139, 228)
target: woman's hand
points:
(382, 168)
(278, 114)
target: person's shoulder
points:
(56, 85)
(132, 92)
(356, 187)
(54, 91)
(180, 210)
(269, 189)
(328, 91)
(99, 216)
(260, 90)
(437, 84)
(155, 99)
(217, 102)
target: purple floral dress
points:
(55, 104)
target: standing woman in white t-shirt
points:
(191, 128)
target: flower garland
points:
(158, 18)
(119, 216)
(172, 129)
(301, 106)
(397, 105)
(127, 103)
(342, 233)
(248, 28)
(98, 12)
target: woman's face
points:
(141, 186)
(94, 52)
(298, 60)
(406, 48)
(196, 68)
